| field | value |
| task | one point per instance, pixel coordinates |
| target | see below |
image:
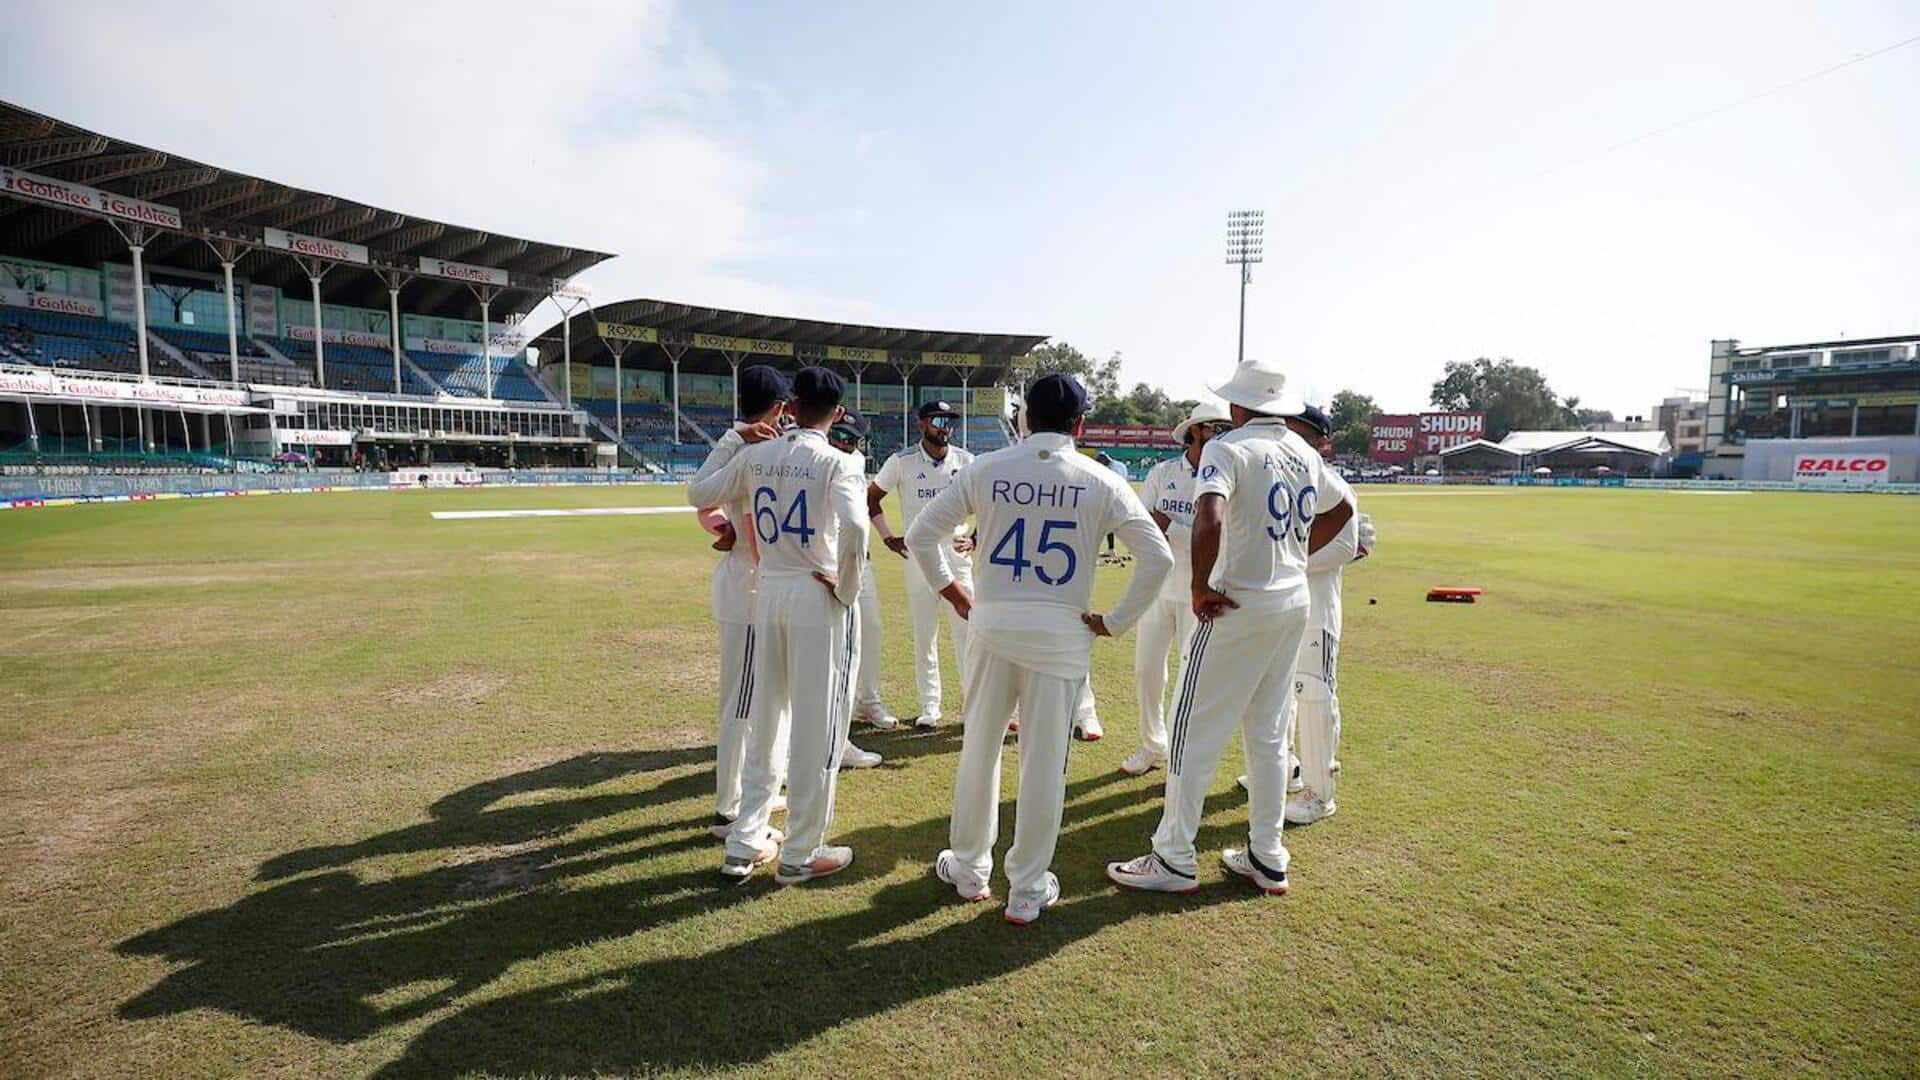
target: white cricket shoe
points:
(1270, 881)
(943, 869)
(923, 722)
(1022, 910)
(879, 719)
(826, 860)
(1089, 731)
(1149, 874)
(1304, 809)
(722, 825)
(852, 757)
(1241, 782)
(1294, 783)
(1143, 761)
(765, 852)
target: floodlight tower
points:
(1246, 232)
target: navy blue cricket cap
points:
(1056, 400)
(854, 424)
(1316, 418)
(818, 387)
(761, 388)
(937, 408)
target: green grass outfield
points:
(317, 786)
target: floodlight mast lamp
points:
(1246, 232)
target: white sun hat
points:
(1261, 387)
(1206, 412)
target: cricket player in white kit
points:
(810, 523)
(849, 435)
(763, 391)
(1261, 505)
(1316, 678)
(920, 473)
(1169, 620)
(1042, 509)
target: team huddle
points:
(1237, 554)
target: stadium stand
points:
(466, 376)
(78, 342)
(356, 367)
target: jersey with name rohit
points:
(1169, 490)
(1042, 510)
(807, 507)
(920, 479)
(1275, 485)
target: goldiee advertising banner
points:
(55, 302)
(331, 336)
(504, 344)
(301, 244)
(50, 384)
(570, 290)
(456, 271)
(74, 196)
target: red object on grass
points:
(1452, 595)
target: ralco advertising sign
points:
(1847, 469)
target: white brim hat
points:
(1262, 388)
(1205, 412)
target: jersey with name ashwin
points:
(920, 479)
(1169, 490)
(1042, 509)
(1275, 485)
(807, 507)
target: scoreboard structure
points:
(1403, 438)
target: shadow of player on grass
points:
(339, 956)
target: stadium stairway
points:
(278, 370)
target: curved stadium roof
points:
(236, 205)
(811, 338)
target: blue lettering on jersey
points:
(1027, 493)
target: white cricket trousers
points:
(866, 698)
(1167, 624)
(1238, 674)
(925, 605)
(1317, 715)
(805, 652)
(737, 642)
(995, 686)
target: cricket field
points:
(322, 786)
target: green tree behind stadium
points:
(1514, 397)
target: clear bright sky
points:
(1441, 181)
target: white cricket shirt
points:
(734, 578)
(1169, 489)
(807, 507)
(919, 479)
(1275, 485)
(1043, 510)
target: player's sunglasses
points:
(943, 423)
